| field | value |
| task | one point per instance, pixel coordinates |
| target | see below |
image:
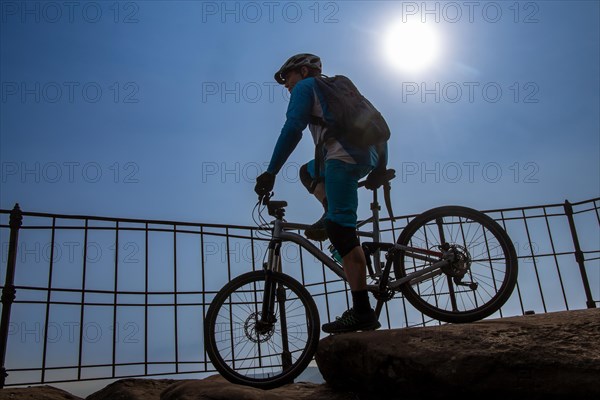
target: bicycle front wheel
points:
(248, 351)
(477, 283)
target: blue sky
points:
(169, 110)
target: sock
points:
(360, 301)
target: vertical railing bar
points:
(227, 255)
(423, 322)
(325, 292)
(406, 322)
(535, 268)
(562, 286)
(175, 297)
(82, 311)
(252, 250)
(402, 299)
(230, 306)
(579, 255)
(204, 291)
(301, 264)
(8, 291)
(487, 249)
(503, 219)
(146, 279)
(48, 295)
(255, 293)
(115, 299)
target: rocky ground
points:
(545, 356)
(552, 355)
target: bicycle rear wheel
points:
(248, 352)
(478, 283)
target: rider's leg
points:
(346, 242)
(355, 269)
(341, 185)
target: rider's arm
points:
(297, 118)
(382, 156)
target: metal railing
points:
(87, 298)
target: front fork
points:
(273, 264)
(275, 293)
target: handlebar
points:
(274, 207)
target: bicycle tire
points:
(493, 266)
(252, 358)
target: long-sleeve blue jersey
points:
(306, 102)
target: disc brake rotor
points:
(461, 261)
(257, 331)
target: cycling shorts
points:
(341, 189)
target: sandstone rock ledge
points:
(545, 356)
(212, 388)
(42, 392)
(217, 388)
(553, 355)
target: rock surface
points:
(549, 356)
(212, 388)
(133, 389)
(539, 356)
(217, 388)
(36, 393)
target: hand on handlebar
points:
(264, 185)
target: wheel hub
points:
(459, 260)
(256, 330)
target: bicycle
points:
(453, 263)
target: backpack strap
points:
(314, 120)
(319, 161)
(319, 156)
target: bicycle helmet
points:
(297, 61)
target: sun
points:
(411, 46)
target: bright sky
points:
(169, 110)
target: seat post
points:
(376, 233)
(375, 208)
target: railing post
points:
(579, 256)
(8, 293)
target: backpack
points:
(355, 119)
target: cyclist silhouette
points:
(335, 184)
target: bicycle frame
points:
(438, 259)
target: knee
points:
(343, 238)
(306, 178)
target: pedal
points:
(470, 285)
